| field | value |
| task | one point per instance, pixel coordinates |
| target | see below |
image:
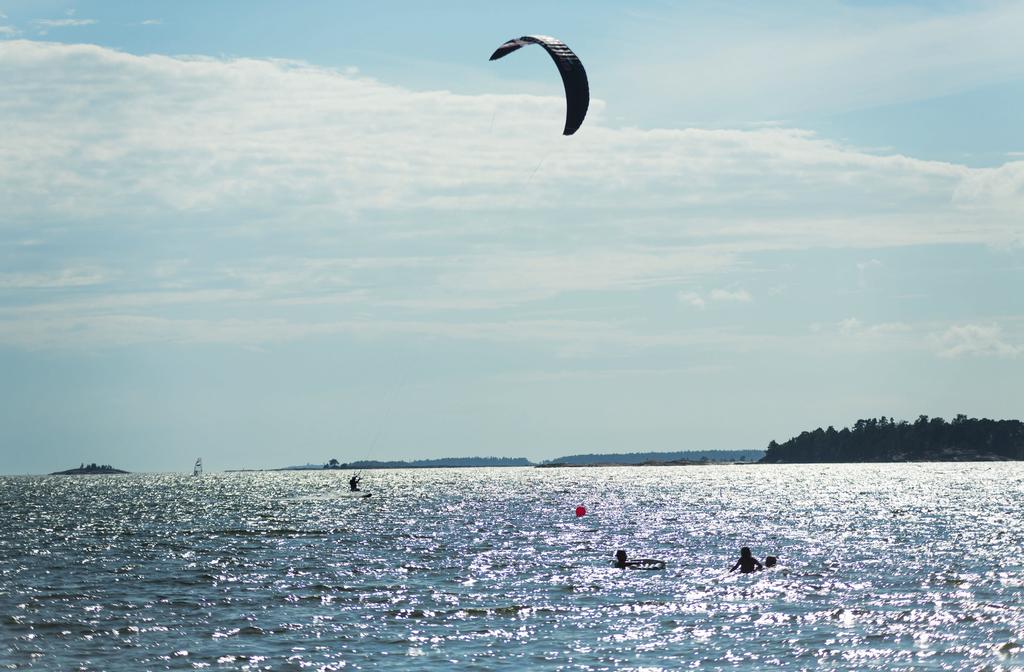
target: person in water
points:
(770, 561)
(747, 562)
(622, 561)
(353, 483)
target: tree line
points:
(887, 440)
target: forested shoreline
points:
(887, 440)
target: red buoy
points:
(581, 511)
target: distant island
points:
(886, 440)
(586, 460)
(89, 469)
(444, 462)
(654, 459)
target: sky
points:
(276, 233)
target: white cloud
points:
(692, 299)
(152, 22)
(990, 189)
(976, 340)
(737, 295)
(942, 339)
(63, 23)
(10, 31)
(568, 338)
(696, 300)
(69, 277)
(938, 338)
(851, 326)
(853, 335)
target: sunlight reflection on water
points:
(881, 566)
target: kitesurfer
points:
(353, 483)
(747, 562)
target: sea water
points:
(895, 566)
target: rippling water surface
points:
(881, 566)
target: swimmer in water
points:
(622, 561)
(747, 562)
(770, 561)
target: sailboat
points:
(197, 470)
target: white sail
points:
(198, 469)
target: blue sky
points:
(269, 235)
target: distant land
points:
(445, 462)
(681, 457)
(88, 469)
(641, 459)
(886, 440)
